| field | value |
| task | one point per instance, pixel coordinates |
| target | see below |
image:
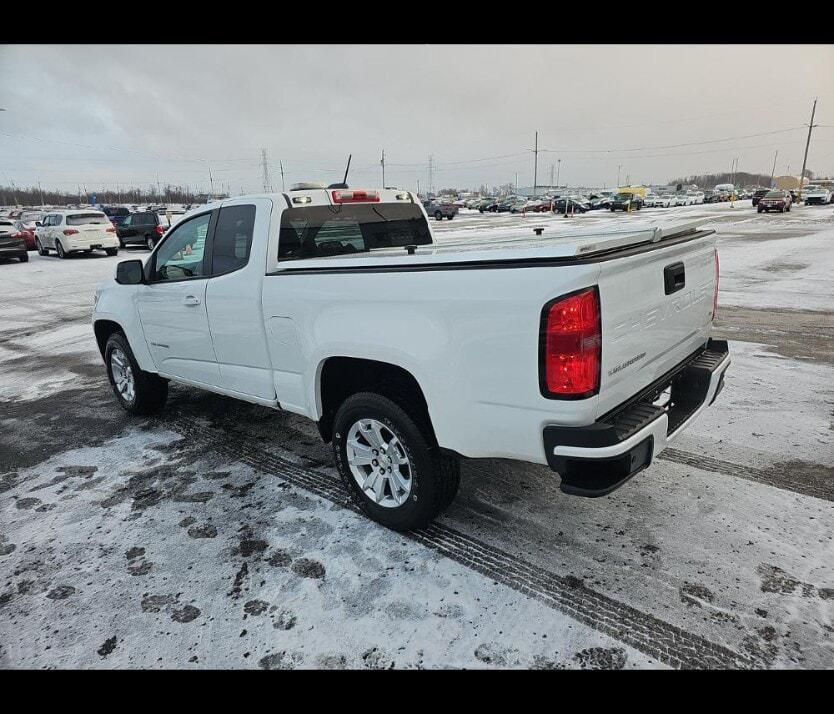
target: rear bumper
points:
(595, 460)
(109, 241)
(13, 250)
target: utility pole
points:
(211, 182)
(536, 164)
(558, 170)
(265, 170)
(805, 158)
(283, 185)
(619, 168)
(773, 170)
(383, 168)
(551, 174)
(431, 184)
(41, 191)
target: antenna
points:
(344, 181)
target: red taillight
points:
(70, 231)
(571, 346)
(715, 289)
(355, 197)
(110, 230)
(160, 230)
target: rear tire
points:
(438, 215)
(59, 249)
(111, 251)
(23, 257)
(149, 242)
(433, 477)
(148, 391)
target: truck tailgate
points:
(656, 309)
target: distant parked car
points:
(116, 214)
(81, 230)
(775, 201)
(759, 194)
(683, 199)
(12, 243)
(626, 202)
(440, 210)
(574, 205)
(488, 204)
(506, 205)
(600, 202)
(27, 231)
(816, 195)
(664, 200)
(141, 228)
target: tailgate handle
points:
(674, 277)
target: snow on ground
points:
(191, 540)
(145, 553)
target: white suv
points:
(69, 231)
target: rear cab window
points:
(320, 231)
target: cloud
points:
(99, 115)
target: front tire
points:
(137, 392)
(111, 251)
(389, 465)
(438, 216)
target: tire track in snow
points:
(656, 638)
(783, 478)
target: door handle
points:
(190, 300)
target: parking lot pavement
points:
(217, 533)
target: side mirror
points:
(38, 224)
(129, 272)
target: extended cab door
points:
(233, 298)
(172, 305)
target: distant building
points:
(789, 183)
(540, 190)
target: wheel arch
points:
(103, 329)
(340, 377)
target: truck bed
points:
(516, 245)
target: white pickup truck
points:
(588, 353)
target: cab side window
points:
(232, 240)
(180, 255)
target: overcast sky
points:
(102, 115)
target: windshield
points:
(623, 196)
(324, 230)
(773, 194)
(84, 219)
